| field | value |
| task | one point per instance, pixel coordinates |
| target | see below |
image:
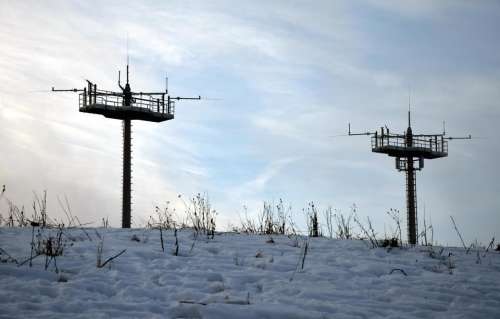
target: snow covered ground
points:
(243, 276)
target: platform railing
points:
(116, 101)
(433, 143)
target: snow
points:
(243, 276)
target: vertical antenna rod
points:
(409, 107)
(128, 58)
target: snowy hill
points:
(240, 276)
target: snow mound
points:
(241, 276)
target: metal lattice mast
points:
(127, 174)
(411, 189)
(411, 202)
(127, 158)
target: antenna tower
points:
(410, 150)
(127, 105)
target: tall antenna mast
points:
(410, 150)
(127, 105)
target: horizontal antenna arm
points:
(186, 98)
(148, 93)
(66, 90)
(354, 134)
(101, 93)
(143, 99)
(459, 138)
(427, 135)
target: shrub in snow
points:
(312, 220)
(393, 242)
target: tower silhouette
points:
(127, 106)
(410, 150)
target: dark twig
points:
(489, 246)
(193, 302)
(161, 239)
(2, 251)
(459, 235)
(305, 254)
(111, 258)
(400, 270)
(176, 252)
(82, 229)
(195, 237)
(302, 259)
(29, 259)
(33, 224)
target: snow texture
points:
(243, 276)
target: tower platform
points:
(112, 106)
(428, 146)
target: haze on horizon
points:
(286, 78)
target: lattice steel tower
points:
(127, 106)
(410, 150)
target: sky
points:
(282, 79)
